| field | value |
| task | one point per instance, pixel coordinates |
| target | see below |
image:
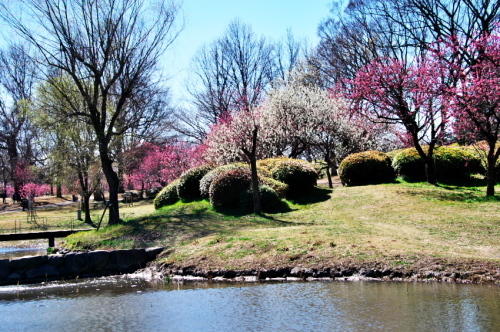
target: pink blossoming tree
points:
(240, 137)
(410, 96)
(476, 94)
(160, 165)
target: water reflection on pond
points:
(14, 252)
(133, 305)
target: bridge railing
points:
(21, 225)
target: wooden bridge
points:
(51, 235)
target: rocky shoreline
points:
(70, 265)
(435, 270)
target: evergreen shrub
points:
(167, 196)
(451, 162)
(369, 167)
(206, 181)
(188, 187)
(299, 175)
(226, 188)
(268, 198)
(279, 187)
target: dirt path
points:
(40, 202)
(335, 179)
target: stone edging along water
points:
(74, 264)
(473, 273)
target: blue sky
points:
(206, 20)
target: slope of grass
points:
(398, 223)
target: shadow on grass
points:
(466, 183)
(282, 207)
(197, 219)
(453, 193)
(190, 221)
(315, 195)
(471, 197)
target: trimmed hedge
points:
(369, 167)
(188, 187)
(451, 162)
(279, 187)
(167, 196)
(270, 163)
(408, 165)
(269, 199)
(206, 181)
(226, 188)
(299, 175)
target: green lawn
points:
(396, 223)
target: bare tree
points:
(110, 49)
(364, 30)
(17, 80)
(234, 72)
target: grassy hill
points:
(399, 224)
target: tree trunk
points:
(86, 209)
(59, 191)
(121, 185)
(13, 160)
(491, 160)
(430, 171)
(113, 184)
(329, 176)
(428, 158)
(257, 206)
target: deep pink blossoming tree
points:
(412, 97)
(476, 94)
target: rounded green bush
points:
(188, 187)
(268, 198)
(452, 163)
(299, 175)
(369, 167)
(455, 163)
(408, 165)
(279, 187)
(206, 181)
(226, 188)
(270, 163)
(167, 196)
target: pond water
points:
(118, 304)
(13, 252)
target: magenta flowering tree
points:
(33, 190)
(412, 97)
(160, 165)
(22, 176)
(475, 66)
